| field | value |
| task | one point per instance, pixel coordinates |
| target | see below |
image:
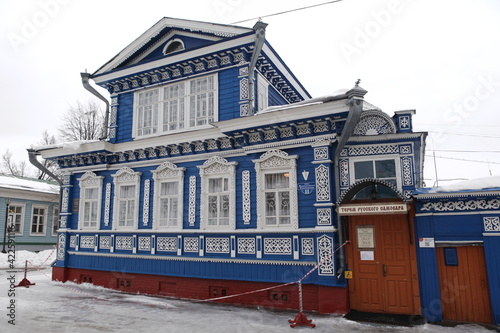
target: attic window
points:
(175, 45)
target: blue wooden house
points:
(219, 175)
(458, 230)
(29, 213)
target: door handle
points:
(384, 270)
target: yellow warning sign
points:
(348, 274)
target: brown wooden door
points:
(464, 284)
(381, 276)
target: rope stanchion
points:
(25, 282)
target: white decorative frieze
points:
(192, 200)
(344, 173)
(307, 246)
(145, 211)
(277, 246)
(462, 205)
(144, 243)
(217, 245)
(245, 175)
(191, 244)
(322, 183)
(61, 246)
(246, 245)
(407, 170)
(321, 153)
(168, 244)
(72, 241)
(491, 223)
(87, 242)
(373, 150)
(124, 243)
(325, 256)
(244, 88)
(107, 204)
(324, 216)
(105, 242)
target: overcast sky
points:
(441, 58)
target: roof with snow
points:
(464, 188)
(28, 184)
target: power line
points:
(464, 134)
(462, 159)
(288, 11)
(464, 151)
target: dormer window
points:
(175, 45)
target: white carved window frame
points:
(87, 181)
(276, 161)
(216, 167)
(168, 172)
(124, 177)
(373, 159)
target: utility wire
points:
(464, 151)
(462, 159)
(464, 134)
(288, 11)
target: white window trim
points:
(186, 106)
(55, 220)
(23, 216)
(45, 220)
(123, 177)
(168, 172)
(89, 180)
(276, 161)
(352, 160)
(216, 167)
(171, 42)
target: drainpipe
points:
(33, 160)
(260, 37)
(355, 102)
(86, 85)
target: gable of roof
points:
(150, 44)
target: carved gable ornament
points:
(374, 122)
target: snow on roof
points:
(336, 95)
(75, 145)
(491, 183)
(28, 184)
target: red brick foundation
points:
(322, 299)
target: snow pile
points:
(485, 183)
(41, 259)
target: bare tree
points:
(83, 121)
(11, 167)
(50, 165)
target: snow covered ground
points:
(56, 307)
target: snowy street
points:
(55, 307)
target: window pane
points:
(277, 180)
(363, 170)
(385, 169)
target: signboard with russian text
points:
(372, 209)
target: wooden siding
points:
(464, 287)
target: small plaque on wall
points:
(365, 236)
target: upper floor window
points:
(176, 107)
(218, 194)
(38, 220)
(168, 194)
(126, 209)
(379, 169)
(277, 201)
(16, 218)
(90, 201)
(172, 46)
